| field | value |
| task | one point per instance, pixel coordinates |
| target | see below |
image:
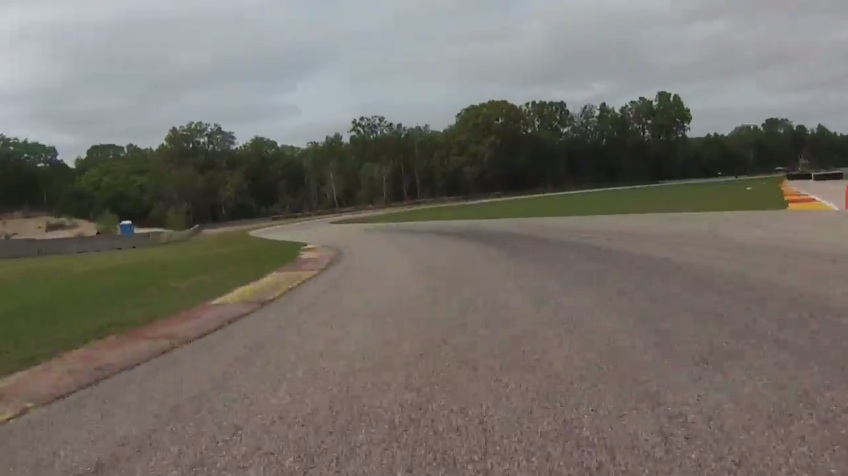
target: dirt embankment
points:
(17, 226)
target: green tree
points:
(200, 173)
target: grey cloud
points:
(133, 76)
(296, 70)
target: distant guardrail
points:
(817, 176)
(830, 175)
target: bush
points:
(177, 218)
(107, 223)
(157, 215)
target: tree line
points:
(200, 173)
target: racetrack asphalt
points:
(645, 344)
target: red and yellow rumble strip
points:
(796, 200)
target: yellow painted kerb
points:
(271, 286)
(789, 191)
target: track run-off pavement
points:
(678, 344)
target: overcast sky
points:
(74, 73)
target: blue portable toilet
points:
(126, 227)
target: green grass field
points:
(54, 304)
(731, 195)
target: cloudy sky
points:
(89, 71)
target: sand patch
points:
(15, 226)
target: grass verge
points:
(54, 304)
(730, 195)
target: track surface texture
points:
(653, 344)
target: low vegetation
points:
(730, 195)
(53, 304)
(107, 223)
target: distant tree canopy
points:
(201, 172)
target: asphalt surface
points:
(658, 345)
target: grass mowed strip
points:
(55, 304)
(729, 195)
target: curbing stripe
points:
(801, 201)
(98, 360)
(828, 205)
(813, 206)
(268, 288)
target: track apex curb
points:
(10, 413)
(796, 200)
(312, 259)
(32, 386)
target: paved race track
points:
(678, 344)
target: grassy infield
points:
(50, 305)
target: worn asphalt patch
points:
(101, 359)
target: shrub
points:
(177, 218)
(107, 223)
